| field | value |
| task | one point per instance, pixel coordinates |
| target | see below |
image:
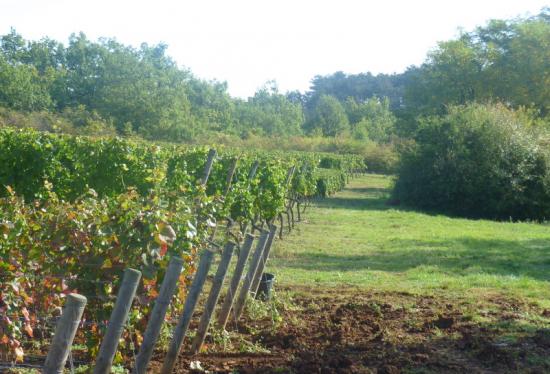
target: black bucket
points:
(266, 286)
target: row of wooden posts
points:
(232, 306)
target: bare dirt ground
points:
(355, 331)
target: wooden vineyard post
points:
(235, 280)
(253, 227)
(256, 258)
(295, 201)
(65, 332)
(189, 308)
(213, 297)
(154, 325)
(253, 171)
(230, 175)
(118, 319)
(261, 266)
(289, 207)
(208, 166)
(289, 175)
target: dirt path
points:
(354, 331)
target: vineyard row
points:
(76, 211)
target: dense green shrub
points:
(75, 164)
(330, 163)
(329, 181)
(477, 161)
(381, 158)
(74, 121)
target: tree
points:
(360, 87)
(477, 161)
(329, 117)
(371, 119)
(211, 105)
(503, 61)
(451, 75)
(271, 113)
(22, 87)
(12, 46)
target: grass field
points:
(354, 238)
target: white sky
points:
(248, 42)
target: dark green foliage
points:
(330, 181)
(329, 118)
(270, 113)
(371, 119)
(105, 88)
(359, 87)
(140, 91)
(73, 164)
(504, 60)
(78, 210)
(23, 88)
(477, 161)
(382, 158)
(330, 163)
(32, 163)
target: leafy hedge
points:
(330, 181)
(478, 161)
(382, 158)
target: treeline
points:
(107, 86)
(478, 111)
(505, 61)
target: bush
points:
(329, 181)
(477, 161)
(381, 158)
(74, 121)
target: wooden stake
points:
(167, 289)
(119, 316)
(256, 258)
(208, 166)
(235, 280)
(213, 297)
(65, 332)
(189, 308)
(261, 266)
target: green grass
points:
(354, 238)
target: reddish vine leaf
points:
(153, 293)
(163, 249)
(28, 330)
(25, 313)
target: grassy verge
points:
(354, 238)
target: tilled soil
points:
(352, 331)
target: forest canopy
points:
(104, 86)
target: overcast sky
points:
(248, 42)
